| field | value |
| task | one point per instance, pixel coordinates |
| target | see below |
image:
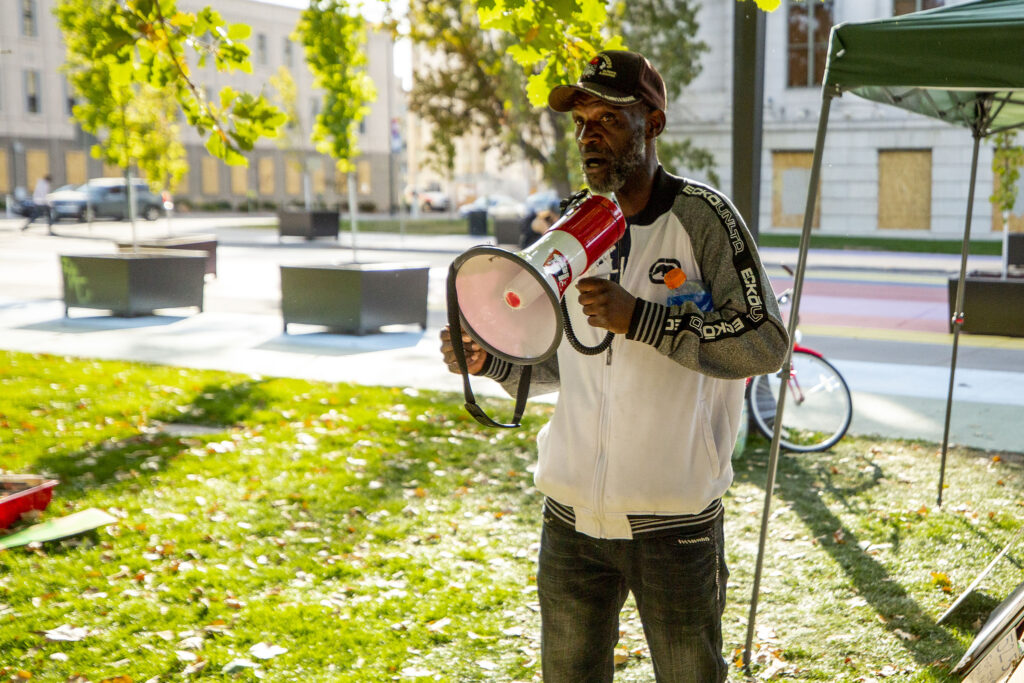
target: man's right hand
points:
(475, 355)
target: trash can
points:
(506, 230)
(477, 222)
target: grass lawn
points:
(284, 530)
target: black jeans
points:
(678, 581)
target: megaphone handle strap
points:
(576, 343)
(455, 331)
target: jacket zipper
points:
(604, 426)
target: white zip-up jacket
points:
(649, 426)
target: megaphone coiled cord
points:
(576, 343)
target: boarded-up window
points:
(319, 176)
(75, 166)
(791, 175)
(239, 180)
(265, 174)
(5, 178)
(293, 178)
(211, 175)
(905, 189)
(38, 162)
(364, 175)
(1017, 215)
(111, 171)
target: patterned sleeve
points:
(544, 379)
(744, 336)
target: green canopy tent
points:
(963, 64)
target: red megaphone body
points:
(509, 302)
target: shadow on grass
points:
(799, 484)
(128, 457)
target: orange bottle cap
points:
(674, 278)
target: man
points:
(637, 454)
(40, 206)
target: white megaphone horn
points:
(510, 303)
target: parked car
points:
(497, 206)
(433, 199)
(105, 198)
(429, 198)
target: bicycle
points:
(818, 406)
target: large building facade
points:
(39, 137)
(884, 171)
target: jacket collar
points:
(663, 195)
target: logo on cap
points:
(598, 67)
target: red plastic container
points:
(23, 492)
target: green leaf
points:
(239, 31)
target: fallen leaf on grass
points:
(906, 636)
(438, 626)
(415, 672)
(266, 650)
(941, 580)
(236, 665)
(66, 633)
(195, 667)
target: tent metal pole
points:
(958, 311)
(798, 282)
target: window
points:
(33, 99)
(261, 48)
(29, 26)
(905, 189)
(809, 23)
(69, 99)
(791, 175)
(288, 54)
(265, 176)
(907, 6)
(210, 175)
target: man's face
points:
(611, 142)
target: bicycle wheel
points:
(818, 405)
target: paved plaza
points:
(880, 317)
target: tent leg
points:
(958, 312)
(798, 281)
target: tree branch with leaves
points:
(121, 51)
(334, 36)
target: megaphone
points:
(509, 303)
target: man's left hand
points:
(606, 304)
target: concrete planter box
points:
(207, 243)
(354, 298)
(506, 231)
(992, 305)
(1015, 249)
(135, 283)
(308, 224)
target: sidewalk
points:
(241, 327)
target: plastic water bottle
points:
(682, 290)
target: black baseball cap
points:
(618, 77)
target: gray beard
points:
(621, 167)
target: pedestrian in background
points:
(40, 204)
